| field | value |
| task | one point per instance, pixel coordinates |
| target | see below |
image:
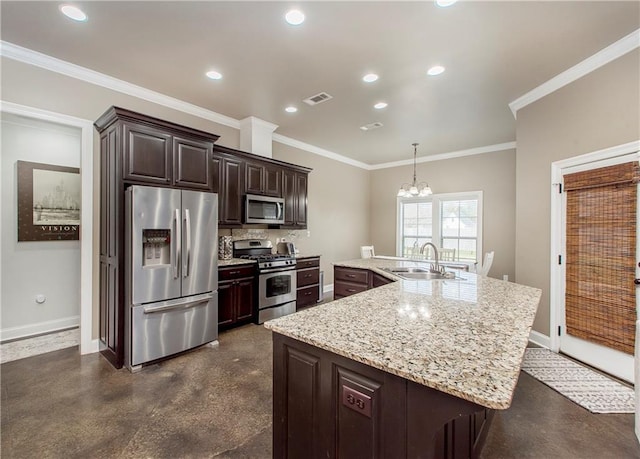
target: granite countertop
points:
(234, 261)
(463, 337)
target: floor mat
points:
(580, 384)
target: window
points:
(450, 221)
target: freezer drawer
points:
(168, 327)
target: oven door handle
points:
(277, 270)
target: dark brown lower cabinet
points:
(236, 296)
(328, 406)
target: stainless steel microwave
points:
(263, 209)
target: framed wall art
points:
(48, 202)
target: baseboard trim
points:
(540, 339)
(40, 328)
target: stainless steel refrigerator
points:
(171, 272)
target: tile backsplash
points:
(298, 237)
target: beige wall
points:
(597, 111)
(338, 208)
(491, 173)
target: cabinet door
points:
(215, 176)
(191, 163)
(147, 154)
(377, 280)
(288, 193)
(226, 303)
(245, 302)
(273, 181)
(301, 201)
(231, 199)
(253, 179)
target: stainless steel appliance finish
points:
(276, 278)
(171, 276)
(286, 248)
(263, 209)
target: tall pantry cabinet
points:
(139, 149)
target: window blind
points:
(600, 298)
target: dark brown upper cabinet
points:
(263, 178)
(242, 173)
(294, 192)
(156, 157)
(192, 166)
(230, 192)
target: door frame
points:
(608, 156)
(87, 344)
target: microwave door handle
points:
(187, 261)
(280, 206)
(176, 243)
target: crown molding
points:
(53, 64)
(319, 151)
(449, 155)
(599, 59)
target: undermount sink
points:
(407, 270)
(421, 274)
(426, 275)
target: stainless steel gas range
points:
(276, 278)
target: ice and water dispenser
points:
(156, 247)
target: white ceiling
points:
(494, 52)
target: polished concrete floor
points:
(216, 402)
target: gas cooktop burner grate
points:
(267, 257)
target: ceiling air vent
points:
(317, 99)
(368, 127)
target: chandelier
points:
(414, 190)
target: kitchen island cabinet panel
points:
(326, 405)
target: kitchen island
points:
(408, 369)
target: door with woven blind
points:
(600, 216)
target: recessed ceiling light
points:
(380, 105)
(214, 75)
(445, 3)
(291, 109)
(294, 17)
(370, 78)
(435, 70)
(73, 12)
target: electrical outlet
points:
(505, 277)
(357, 401)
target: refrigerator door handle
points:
(187, 259)
(177, 243)
(171, 305)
